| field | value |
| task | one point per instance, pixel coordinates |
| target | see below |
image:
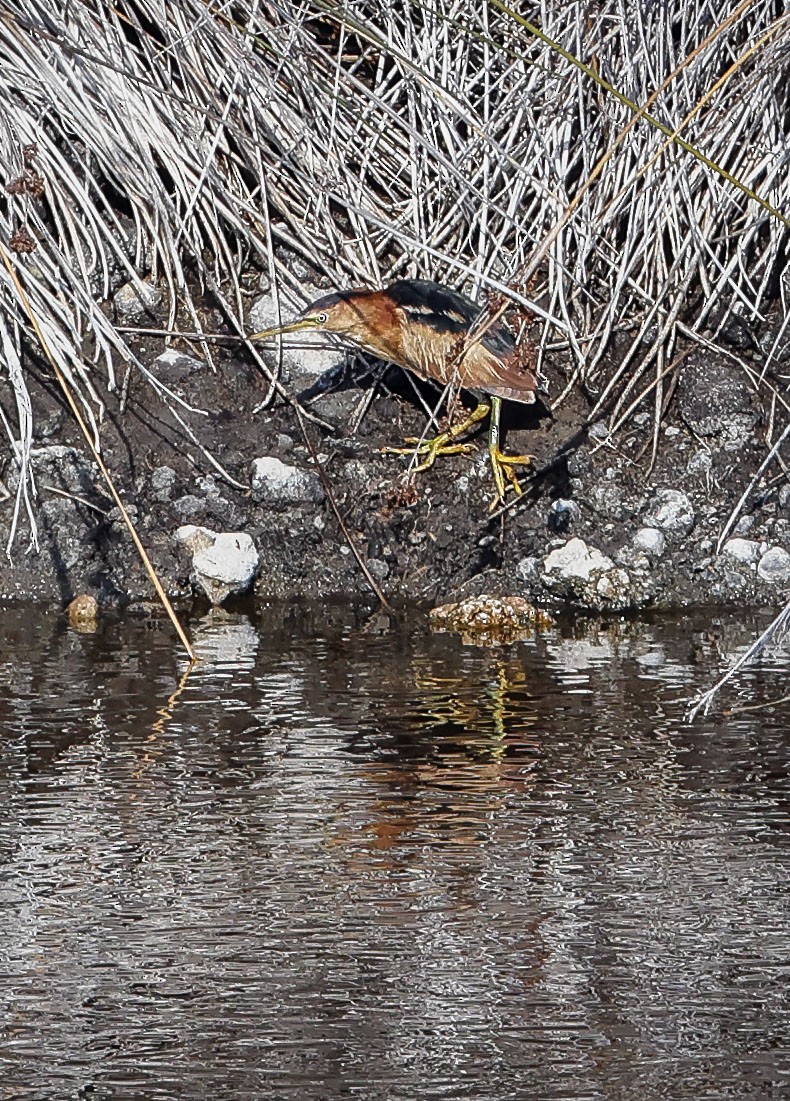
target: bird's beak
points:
(280, 330)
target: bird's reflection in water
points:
(446, 759)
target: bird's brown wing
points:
(513, 377)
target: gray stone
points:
(633, 559)
(671, 511)
(378, 568)
(747, 551)
(614, 587)
(528, 570)
(223, 563)
(306, 353)
(162, 481)
(744, 525)
(599, 431)
(606, 498)
(189, 505)
(70, 535)
(134, 300)
(774, 566)
(115, 515)
(586, 576)
(784, 496)
(171, 357)
(578, 462)
(207, 485)
(275, 482)
(650, 540)
(283, 443)
(562, 514)
(61, 466)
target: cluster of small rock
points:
(633, 575)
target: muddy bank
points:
(596, 527)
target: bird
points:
(422, 326)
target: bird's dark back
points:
(446, 311)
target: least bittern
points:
(422, 326)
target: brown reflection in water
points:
(452, 748)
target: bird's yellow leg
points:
(502, 464)
(444, 443)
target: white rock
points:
(528, 569)
(598, 431)
(275, 482)
(223, 563)
(171, 357)
(671, 511)
(746, 551)
(774, 566)
(307, 353)
(134, 300)
(650, 540)
(576, 560)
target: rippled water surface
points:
(344, 858)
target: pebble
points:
(744, 525)
(188, 505)
(650, 540)
(378, 569)
(528, 570)
(671, 511)
(584, 575)
(578, 462)
(562, 514)
(774, 566)
(171, 357)
(747, 551)
(134, 300)
(275, 482)
(599, 431)
(162, 481)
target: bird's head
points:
(333, 313)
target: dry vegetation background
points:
(187, 142)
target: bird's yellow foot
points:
(430, 450)
(502, 465)
(444, 443)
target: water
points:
(348, 859)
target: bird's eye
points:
(321, 318)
